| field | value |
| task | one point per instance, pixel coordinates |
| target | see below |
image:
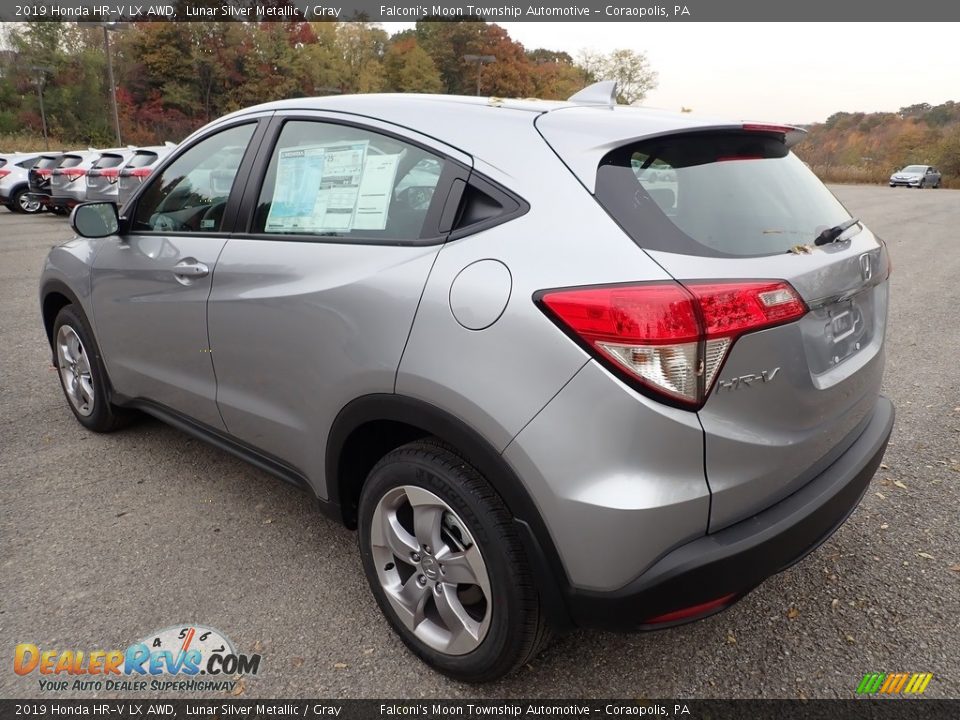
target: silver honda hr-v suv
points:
(561, 364)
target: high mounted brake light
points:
(791, 135)
(666, 338)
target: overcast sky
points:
(790, 72)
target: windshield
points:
(915, 169)
(727, 193)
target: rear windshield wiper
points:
(832, 234)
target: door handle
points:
(191, 268)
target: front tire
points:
(82, 374)
(446, 565)
(920, 185)
(22, 203)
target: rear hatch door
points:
(103, 175)
(66, 173)
(733, 205)
(38, 178)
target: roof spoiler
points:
(600, 93)
(791, 133)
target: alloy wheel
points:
(26, 204)
(75, 371)
(431, 570)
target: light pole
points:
(480, 60)
(107, 28)
(41, 72)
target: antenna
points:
(600, 93)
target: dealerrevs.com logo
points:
(184, 658)
(900, 683)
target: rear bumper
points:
(716, 570)
(59, 201)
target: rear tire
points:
(83, 377)
(446, 565)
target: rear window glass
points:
(47, 162)
(108, 161)
(70, 161)
(717, 193)
(3, 161)
(142, 159)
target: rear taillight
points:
(140, 173)
(111, 174)
(4, 173)
(669, 338)
(73, 174)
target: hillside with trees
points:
(867, 147)
(173, 77)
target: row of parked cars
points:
(58, 181)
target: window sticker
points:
(376, 190)
(317, 188)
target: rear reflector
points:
(667, 338)
(692, 612)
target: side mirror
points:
(95, 219)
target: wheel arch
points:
(370, 426)
(54, 297)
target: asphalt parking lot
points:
(107, 537)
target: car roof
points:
(432, 113)
(480, 126)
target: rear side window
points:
(142, 159)
(332, 180)
(724, 194)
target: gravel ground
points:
(106, 538)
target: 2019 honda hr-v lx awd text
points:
(559, 363)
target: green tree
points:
(631, 69)
(408, 68)
(362, 46)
